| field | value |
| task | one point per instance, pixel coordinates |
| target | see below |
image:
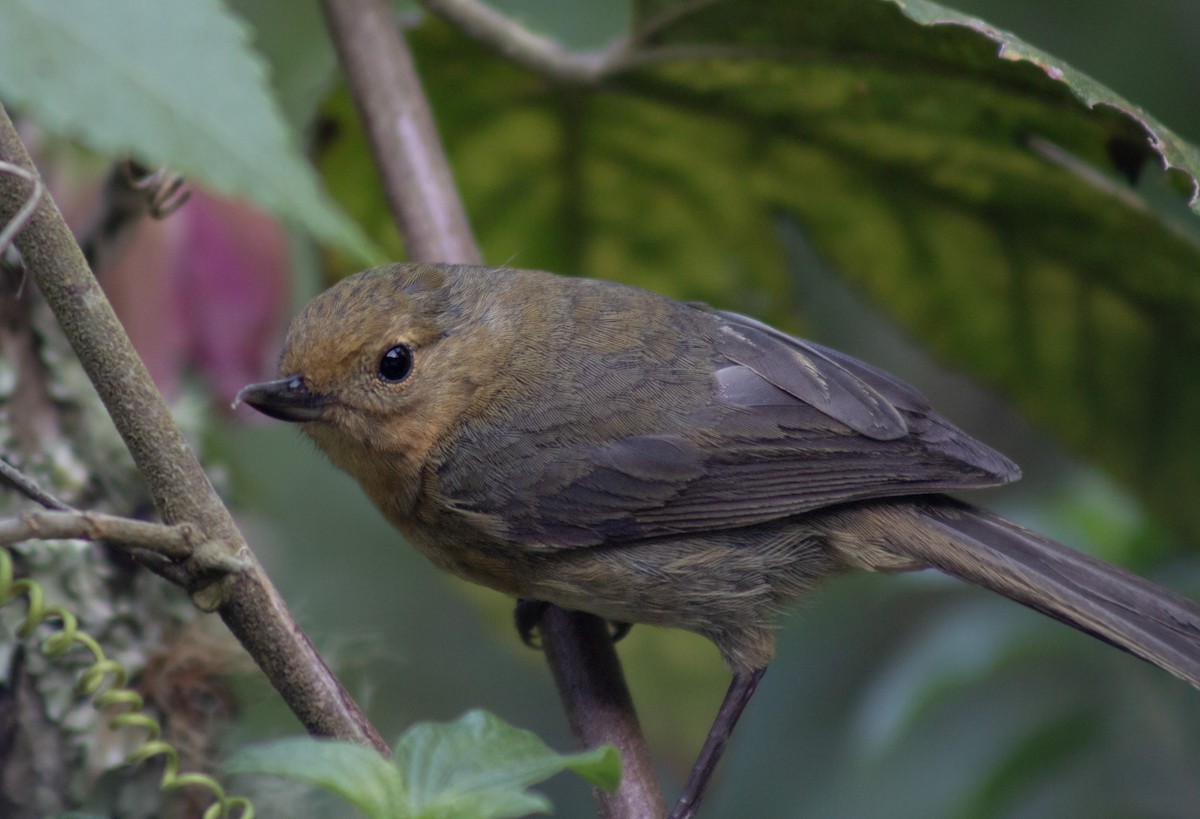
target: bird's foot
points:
(528, 613)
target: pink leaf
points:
(204, 290)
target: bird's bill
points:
(286, 399)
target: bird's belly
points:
(696, 582)
(727, 585)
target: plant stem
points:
(541, 54)
(391, 103)
(172, 542)
(400, 130)
(588, 675)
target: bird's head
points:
(377, 368)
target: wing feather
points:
(761, 426)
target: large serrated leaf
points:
(1173, 151)
(172, 83)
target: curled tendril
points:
(162, 188)
(9, 231)
(91, 684)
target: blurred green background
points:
(892, 697)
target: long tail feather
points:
(1128, 611)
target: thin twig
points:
(588, 676)
(152, 559)
(548, 58)
(534, 51)
(181, 492)
(429, 214)
(176, 543)
(28, 487)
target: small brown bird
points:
(609, 450)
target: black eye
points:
(396, 364)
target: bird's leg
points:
(528, 613)
(741, 688)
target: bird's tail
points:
(1128, 611)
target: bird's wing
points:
(785, 426)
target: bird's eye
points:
(396, 364)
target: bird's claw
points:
(528, 614)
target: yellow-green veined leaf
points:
(1010, 212)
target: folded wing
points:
(774, 426)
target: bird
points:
(606, 449)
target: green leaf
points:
(359, 775)
(171, 83)
(1010, 212)
(1174, 151)
(291, 37)
(576, 25)
(479, 766)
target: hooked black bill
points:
(285, 399)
